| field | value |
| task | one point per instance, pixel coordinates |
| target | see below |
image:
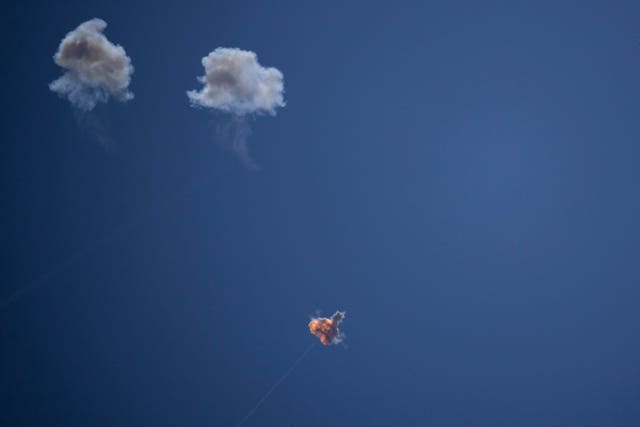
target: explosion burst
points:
(327, 328)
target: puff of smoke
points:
(234, 82)
(96, 68)
(326, 329)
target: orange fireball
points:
(327, 329)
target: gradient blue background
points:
(460, 177)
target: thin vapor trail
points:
(83, 253)
(275, 385)
(65, 264)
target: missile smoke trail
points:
(67, 263)
(275, 385)
(76, 258)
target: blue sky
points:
(460, 178)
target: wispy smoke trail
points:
(275, 385)
(94, 126)
(232, 135)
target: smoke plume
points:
(96, 69)
(327, 329)
(235, 83)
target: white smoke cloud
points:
(234, 82)
(96, 68)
